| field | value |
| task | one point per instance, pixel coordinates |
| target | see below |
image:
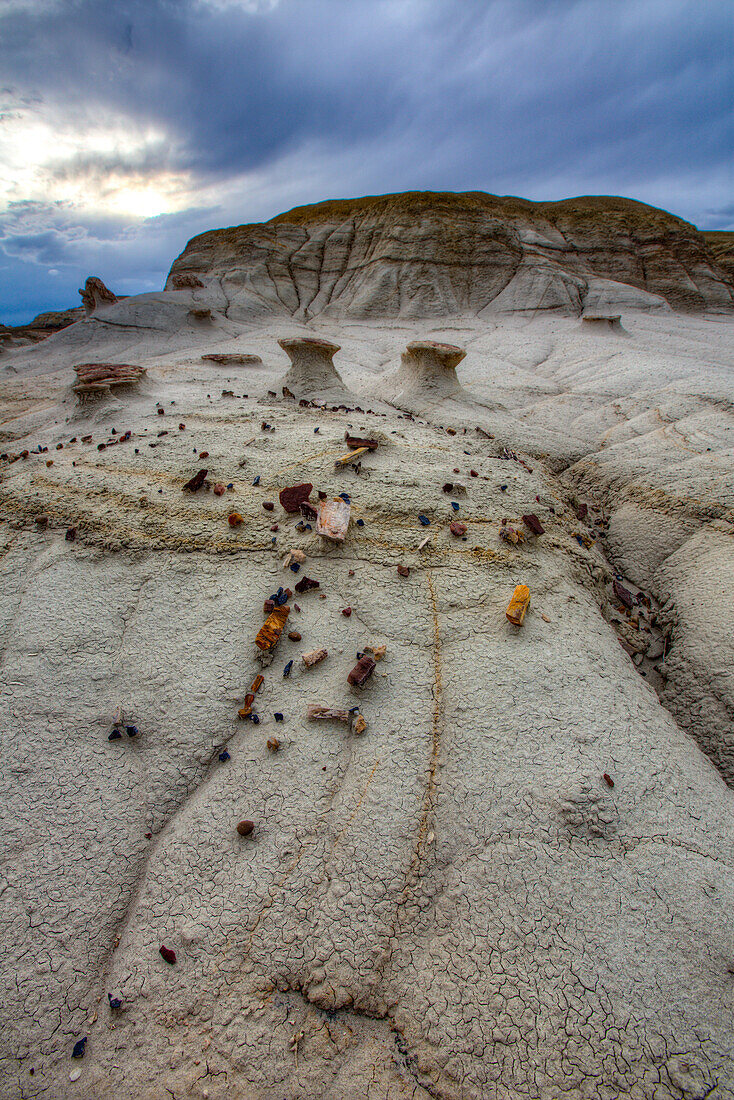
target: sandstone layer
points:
(516, 882)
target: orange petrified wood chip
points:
(272, 628)
(518, 605)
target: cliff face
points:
(428, 254)
(721, 244)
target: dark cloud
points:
(257, 107)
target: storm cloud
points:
(127, 127)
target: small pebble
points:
(115, 1002)
(473, 473)
(224, 756)
(278, 716)
(219, 489)
(455, 506)
(79, 1045)
(294, 636)
(287, 670)
(74, 1075)
(403, 570)
(608, 780)
(235, 519)
(268, 505)
(49, 462)
(424, 520)
(256, 480)
(70, 534)
(360, 523)
(273, 744)
(351, 572)
(503, 488)
(275, 527)
(346, 611)
(114, 736)
(245, 828)
(161, 412)
(182, 427)
(168, 954)
(204, 454)
(131, 731)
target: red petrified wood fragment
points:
(623, 595)
(306, 584)
(353, 442)
(361, 672)
(196, 481)
(532, 522)
(293, 496)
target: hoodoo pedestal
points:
(427, 373)
(312, 372)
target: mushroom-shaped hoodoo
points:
(95, 379)
(427, 373)
(312, 373)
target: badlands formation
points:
(516, 881)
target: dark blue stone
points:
(256, 481)
(224, 756)
(424, 520)
(455, 506)
(287, 670)
(78, 1051)
(114, 736)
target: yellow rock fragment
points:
(518, 605)
(346, 459)
(271, 630)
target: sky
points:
(129, 126)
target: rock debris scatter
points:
(369, 733)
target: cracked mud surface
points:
(454, 904)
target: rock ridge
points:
(433, 254)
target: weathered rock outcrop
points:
(95, 294)
(721, 245)
(425, 254)
(42, 326)
(100, 378)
